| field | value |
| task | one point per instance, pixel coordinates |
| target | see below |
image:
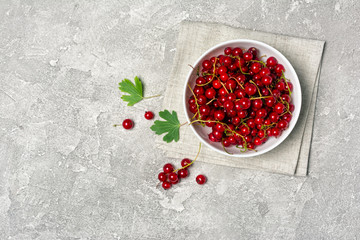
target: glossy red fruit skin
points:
(210, 93)
(237, 52)
(127, 124)
(247, 56)
(201, 179)
(271, 61)
(162, 176)
(279, 108)
(219, 115)
(185, 162)
(183, 173)
(227, 51)
(168, 168)
(149, 115)
(166, 185)
(206, 64)
(173, 178)
(250, 89)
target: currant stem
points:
(260, 97)
(191, 161)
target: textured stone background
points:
(66, 173)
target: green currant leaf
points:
(135, 91)
(171, 126)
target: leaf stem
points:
(152, 96)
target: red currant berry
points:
(266, 80)
(149, 115)
(204, 110)
(201, 100)
(168, 168)
(200, 81)
(210, 93)
(201, 179)
(279, 108)
(127, 124)
(219, 115)
(282, 124)
(237, 52)
(206, 64)
(185, 162)
(162, 176)
(222, 70)
(183, 173)
(173, 178)
(250, 89)
(271, 61)
(253, 51)
(244, 103)
(257, 141)
(247, 56)
(255, 67)
(166, 185)
(227, 51)
(198, 90)
(274, 117)
(287, 117)
(279, 69)
(257, 103)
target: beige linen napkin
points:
(305, 55)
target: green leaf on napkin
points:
(171, 126)
(135, 91)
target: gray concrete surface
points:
(66, 173)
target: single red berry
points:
(250, 89)
(206, 64)
(149, 115)
(173, 178)
(210, 93)
(219, 115)
(128, 124)
(224, 77)
(204, 110)
(222, 70)
(237, 52)
(227, 51)
(200, 81)
(244, 103)
(168, 168)
(166, 185)
(185, 162)
(279, 69)
(247, 56)
(216, 84)
(266, 80)
(257, 141)
(253, 51)
(279, 108)
(201, 179)
(198, 90)
(271, 61)
(255, 67)
(162, 176)
(183, 173)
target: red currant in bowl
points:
(251, 98)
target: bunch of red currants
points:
(243, 99)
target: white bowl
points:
(263, 49)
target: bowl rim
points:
(296, 113)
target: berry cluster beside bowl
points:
(244, 98)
